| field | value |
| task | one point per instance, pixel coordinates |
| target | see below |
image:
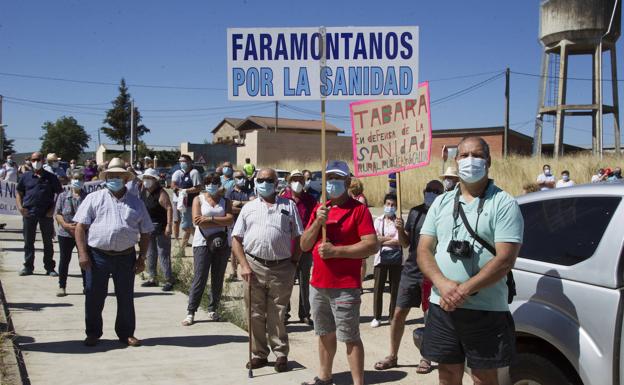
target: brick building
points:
(518, 143)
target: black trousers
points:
(66, 247)
(382, 273)
(30, 231)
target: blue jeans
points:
(30, 231)
(159, 250)
(121, 267)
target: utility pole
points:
(132, 132)
(99, 141)
(1, 133)
(276, 114)
(506, 133)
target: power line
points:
(559, 77)
(466, 90)
(101, 83)
(465, 76)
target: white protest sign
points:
(391, 135)
(289, 64)
(8, 206)
(88, 187)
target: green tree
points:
(118, 119)
(7, 145)
(65, 137)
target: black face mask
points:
(617, 173)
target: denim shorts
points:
(187, 218)
(336, 310)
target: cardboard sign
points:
(294, 64)
(391, 135)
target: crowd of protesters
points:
(276, 238)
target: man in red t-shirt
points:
(335, 284)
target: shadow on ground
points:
(32, 306)
(78, 347)
(371, 377)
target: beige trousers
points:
(270, 294)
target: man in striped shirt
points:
(262, 241)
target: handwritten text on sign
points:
(391, 135)
(315, 63)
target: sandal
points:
(318, 381)
(424, 367)
(387, 363)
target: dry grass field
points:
(510, 174)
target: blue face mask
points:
(389, 211)
(184, 166)
(335, 188)
(114, 184)
(265, 189)
(76, 184)
(227, 171)
(212, 189)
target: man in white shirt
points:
(546, 180)
(565, 180)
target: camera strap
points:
(472, 233)
(458, 210)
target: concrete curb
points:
(13, 371)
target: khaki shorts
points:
(336, 310)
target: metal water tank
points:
(581, 21)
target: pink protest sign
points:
(391, 135)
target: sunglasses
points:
(435, 191)
(263, 180)
(35, 160)
(239, 177)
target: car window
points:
(565, 231)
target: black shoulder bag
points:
(511, 283)
(216, 242)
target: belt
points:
(113, 253)
(266, 262)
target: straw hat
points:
(451, 172)
(52, 157)
(116, 165)
(295, 172)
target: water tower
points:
(569, 28)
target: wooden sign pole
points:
(323, 62)
(398, 188)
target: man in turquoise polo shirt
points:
(469, 319)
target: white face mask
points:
(449, 184)
(37, 165)
(472, 170)
(240, 182)
(148, 183)
(297, 187)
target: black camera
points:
(460, 249)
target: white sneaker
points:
(188, 321)
(61, 292)
(213, 316)
(375, 323)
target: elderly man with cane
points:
(262, 242)
(115, 219)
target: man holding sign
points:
(335, 284)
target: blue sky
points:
(183, 44)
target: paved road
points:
(51, 331)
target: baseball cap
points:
(338, 167)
